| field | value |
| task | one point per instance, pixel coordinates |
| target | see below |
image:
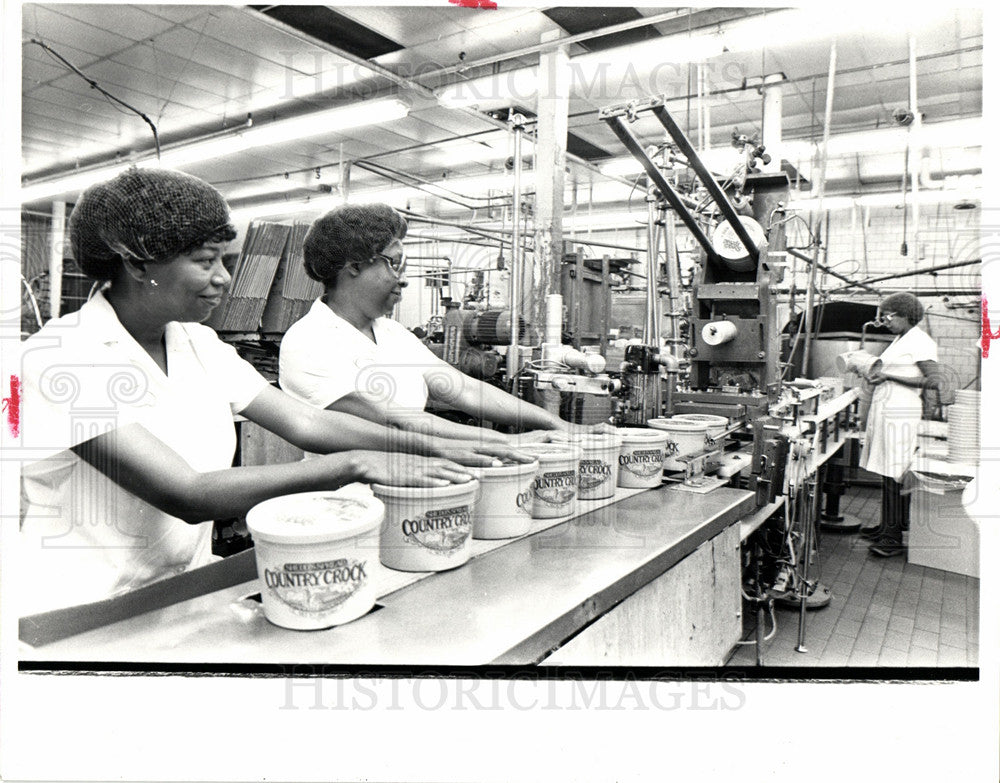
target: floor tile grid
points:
(884, 612)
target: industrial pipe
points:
(811, 290)
(516, 254)
(651, 326)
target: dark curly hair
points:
(147, 215)
(351, 233)
(904, 304)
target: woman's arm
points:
(484, 401)
(323, 431)
(415, 421)
(141, 463)
(931, 377)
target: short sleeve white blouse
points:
(324, 358)
(84, 538)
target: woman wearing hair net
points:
(909, 365)
(128, 404)
(345, 355)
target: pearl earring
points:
(153, 283)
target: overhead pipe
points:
(925, 270)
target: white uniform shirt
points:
(83, 537)
(324, 358)
(896, 410)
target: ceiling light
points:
(329, 121)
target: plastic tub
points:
(640, 461)
(504, 506)
(859, 362)
(426, 528)
(683, 438)
(598, 465)
(554, 490)
(716, 426)
(314, 566)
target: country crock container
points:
(598, 465)
(554, 490)
(640, 460)
(683, 438)
(315, 557)
(503, 509)
(426, 528)
(716, 426)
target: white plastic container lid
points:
(451, 490)
(683, 425)
(642, 435)
(507, 470)
(597, 440)
(314, 517)
(548, 453)
(710, 419)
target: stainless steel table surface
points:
(511, 605)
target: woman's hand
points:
(478, 454)
(407, 470)
(534, 436)
(876, 377)
(568, 430)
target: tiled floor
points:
(884, 612)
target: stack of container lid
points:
(963, 427)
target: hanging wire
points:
(95, 86)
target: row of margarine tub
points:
(316, 551)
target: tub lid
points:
(673, 425)
(596, 440)
(314, 517)
(425, 493)
(507, 470)
(642, 434)
(708, 418)
(552, 452)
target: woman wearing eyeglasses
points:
(909, 365)
(127, 432)
(346, 355)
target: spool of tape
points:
(718, 332)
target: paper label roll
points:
(718, 332)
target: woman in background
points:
(127, 426)
(346, 355)
(909, 365)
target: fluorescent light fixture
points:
(893, 199)
(955, 133)
(329, 121)
(276, 186)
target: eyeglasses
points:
(884, 318)
(396, 265)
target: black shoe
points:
(871, 532)
(887, 548)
